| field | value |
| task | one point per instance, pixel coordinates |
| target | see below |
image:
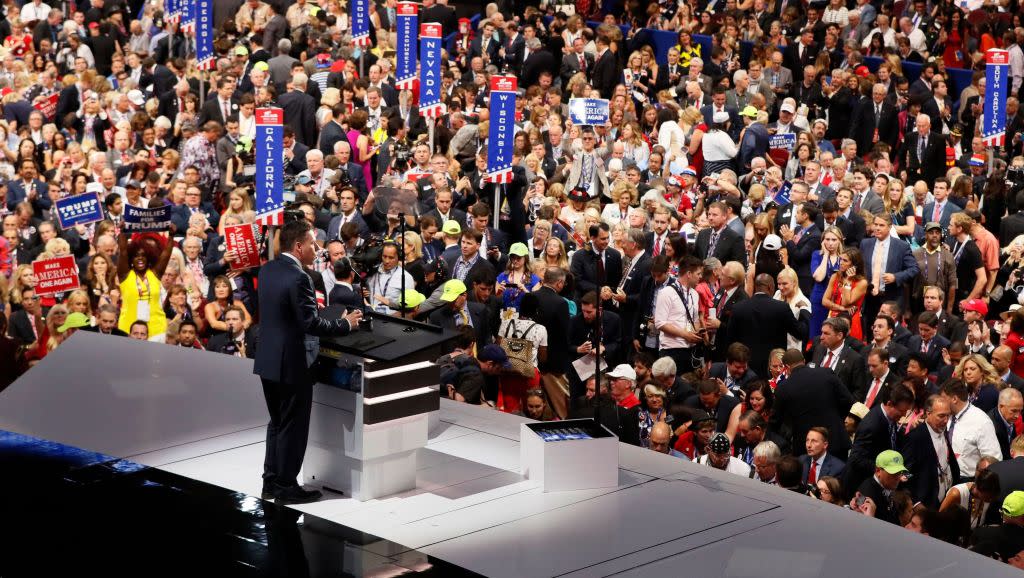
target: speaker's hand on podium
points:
(353, 318)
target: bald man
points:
(923, 154)
(661, 440)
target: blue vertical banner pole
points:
(500, 135)
(405, 68)
(269, 166)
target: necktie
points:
(812, 473)
(225, 111)
(712, 244)
(657, 246)
(924, 346)
(856, 202)
(937, 212)
(921, 144)
(798, 236)
(583, 63)
(878, 113)
(828, 360)
(600, 267)
(464, 317)
(588, 168)
(876, 269)
(875, 385)
(892, 435)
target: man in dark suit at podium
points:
(287, 313)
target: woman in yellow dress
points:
(139, 270)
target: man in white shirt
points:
(971, 432)
(385, 286)
(676, 315)
(883, 28)
(916, 36)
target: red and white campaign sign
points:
(242, 240)
(269, 116)
(57, 275)
(48, 106)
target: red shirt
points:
(1016, 343)
(629, 402)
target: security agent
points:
(288, 312)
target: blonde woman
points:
(789, 291)
(328, 99)
(413, 247)
(240, 204)
(78, 302)
(982, 380)
(623, 196)
(536, 243)
(901, 209)
(555, 255)
(634, 145)
(672, 134)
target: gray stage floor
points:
(201, 415)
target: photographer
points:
(385, 286)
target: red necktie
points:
(657, 246)
(583, 63)
(812, 474)
(828, 361)
(875, 385)
(938, 211)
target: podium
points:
(374, 391)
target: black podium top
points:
(390, 339)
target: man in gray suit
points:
(281, 65)
(588, 167)
(780, 78)
(575, 61)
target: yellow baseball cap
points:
(452, 289)
(892, 462)
(451, 228)
(413, 299)
(261, 66)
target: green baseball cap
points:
(519, 250)
(452, 289)
(413, 299)
(749, 111)
(74, 320)
(892, 462)
(1013, 505)
(451, 227)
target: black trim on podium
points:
(401, 407)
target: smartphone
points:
(828, 80)
(860, 500)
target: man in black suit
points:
(106, 322)
(553, 313)
(597, 267)
(604, 76)
(333, 132)
(923, 153)
(752, 429)
(27, 323)
(671, 74)
(1011, 227)
(443, 210)
(1002, 357)
(719, 240)
(484, 45)
(300, 111)
(889, 472)
(764, 323)
(811, 397)
(730, 293)
(580, 61)
(583, 336)
(626, 294)
(537, 61)
(931, 106)
(1011, 477)
(877, 432)
(1004, 417)
(824, 463)
(458, 311)
(834, 353)
(879, 377)
(852, 228)
(172, 102)
(236, 341)
(874, 120)
(512, 48)
(928, 341)
(801, 54)
(883, 338)
(222, 107)
(735, 371)
(803, 242)
(931, 477)
(287, 314)
(439, 13)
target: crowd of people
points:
(837, 312)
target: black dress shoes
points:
(268, 492)
(295, 495)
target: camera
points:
(367, 256)
(401, 154)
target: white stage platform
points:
(667, 517)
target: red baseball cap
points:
(976, 305)
(862, 71)
(94, 25)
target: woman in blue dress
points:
(824, 263)
(516, 280)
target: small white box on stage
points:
(575, 454)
